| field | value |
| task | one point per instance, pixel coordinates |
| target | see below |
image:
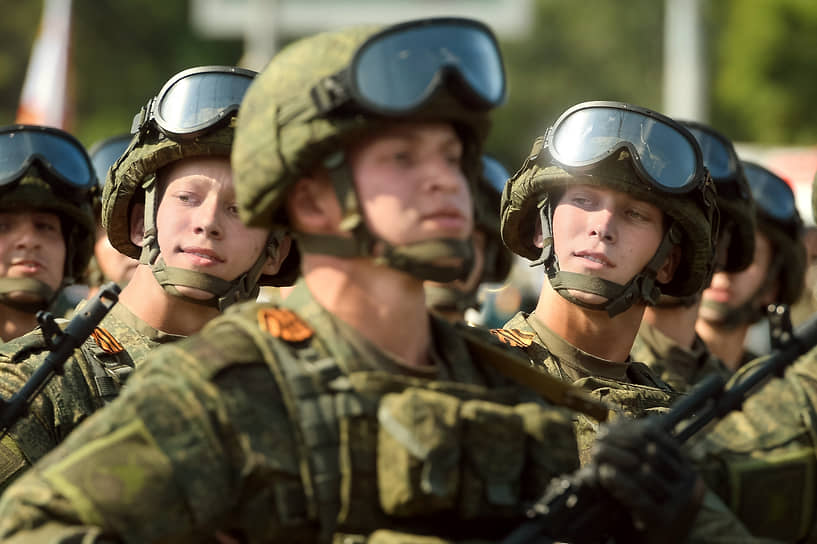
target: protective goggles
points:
(663, 151)
(718, 153)
(397, 70)
(64, 159)
(772, 194)
(195, 101)
(105, 153)
(494, 173)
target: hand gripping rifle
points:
(585, 513)
(61, 345)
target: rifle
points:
(61, 344)
(587, 514)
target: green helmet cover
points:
(282, 136)
(696, 214)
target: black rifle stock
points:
(587, 513)
(61, 345)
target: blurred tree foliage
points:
(761, 57)
(123, 52)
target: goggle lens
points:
(195, 100)
(61, 154)
(103, 156)
(397, 70)
(494, 173)
(201, 99)
(771, 193)
(589, 135)
(718, 159)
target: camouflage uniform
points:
(95, 374)
(629, 388)
(92, 376)
(680, 368)
(277, 425)
(285, 423)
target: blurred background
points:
(744, 67)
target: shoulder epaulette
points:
(284, 324)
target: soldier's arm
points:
(761, 460)
(168, 460)
(63, 403)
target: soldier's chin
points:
(192, 292)
(587, 298)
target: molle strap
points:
(41, 290)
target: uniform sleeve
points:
(761, 460)
(64, 402)
(172, 459)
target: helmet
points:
(192, 116)
(487, 197)
(779, 220)
(735, 202)
(626, 148)
(47, 169)
(314, 99)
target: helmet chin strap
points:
(44, 293)
(441, 259)
(224, 292)
(642, 287)
(748, 312)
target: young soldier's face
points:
(32, 246)
(197, 221)
(736, 288)
(410, 183)
(605, 233)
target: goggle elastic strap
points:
(40, 289)
(419, 259)
(619, 297)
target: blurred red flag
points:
(44, 100)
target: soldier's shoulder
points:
(248, 334)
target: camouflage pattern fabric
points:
(204, 439)
(68, 398)
(679, 367)
(761, 460)
(631, 390)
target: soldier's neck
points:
(146, 299)
(386, 306)
(592, 331)
(677, 323)
(14, 323)
(725, 344)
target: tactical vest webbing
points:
(470, 464)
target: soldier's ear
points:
(137, 224)
(312, 205)
(667, 270)
(274, 261)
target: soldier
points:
(617, 205)
(667, 341)
(736, 300)
(492, 260)
(349, 414)
(46, 220)
(169, 202)
(110, 264)
(107, 263)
